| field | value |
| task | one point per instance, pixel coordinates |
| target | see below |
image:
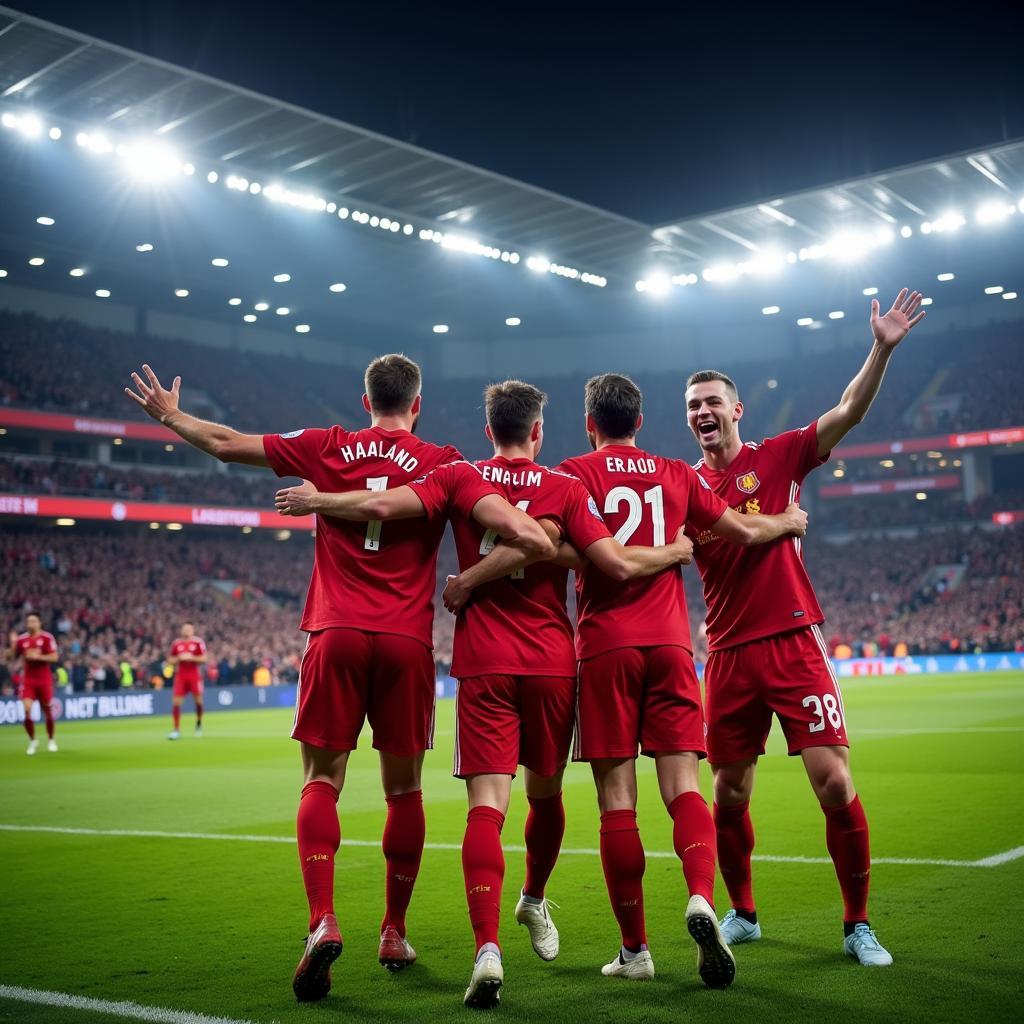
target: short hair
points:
(614, 403)
(512, 408)
(33, 615)
(704, 376)
(392, 383)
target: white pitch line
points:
(986, 862)
(132, 1011)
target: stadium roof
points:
(98, 85)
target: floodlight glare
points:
(262, 306)
(144, 247)
(805, 321)
(219, 261)
(1009, 295)
(407, 230)
(47, 222)
(55, 133)
(869, 291)
(945, 277)
(77, 272)
(212, 177)
(342, 213)
(250, 318)
(36, 261)
(836, 314)
(512, 321)
(8, 120)
(302, 328)
(948, 222)
(30, 126)
(234, 302)
(282, 311)
(102, 293)
(658, 284)
(440, 328)
(770, 310)
(282, 278)
(995, 289)
(926, 302)
(992, 213)
(906, 231)
(338, 287)
(540, 264)
(150, 161)
(182, 293)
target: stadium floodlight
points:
(721, 273)
(338, 286)
(849, 245)
(512, 321)
(55, 133)
(440, 328)
(102, 293)
(342, 212)
(282, 311)
(212, 177)
(945, 277)
(150, 161)
(77, 272)
(887, 463)
(182, 293)
(282, 278)
(3, 273)
(255, 188)
(95, 142)
(332, 206)
(219, 261)
(992, 289)
(770, 310)
(407, 229)
(168, 447)
(246, 530)
(235, 301)
(154, 526)
(869, 291)
(921, 496)
(174, 527)
(30, 126)
(839, 473)
(65, 521)
(250, 318)
(262, 307)
(282, 534)
(950, 221)
(657, 283)
(772, 384)
(765, 262)
(805, 321)
(47, 222)
(38, 261)
(144, 247)
(994, 212)
(118, 441)
(836, 314)
(906, 231)
(302, 328)
(8, 120)
(1009, 295)
(927, 301)
(539, 264)
(188, 170)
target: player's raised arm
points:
(888, 331)
(750, 530)
(221, 442)
(356, 506)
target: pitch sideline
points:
(993, 861)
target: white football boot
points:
(715, 963)
(488, 976)
(863, 946)
(638, 966)
(543, 933)
(737, 930)
(33, 745)
(51, 746)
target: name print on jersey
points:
(379, 449)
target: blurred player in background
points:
(38, 652)
(767, 654)
(513, 656)
(188, 655)
(369, 615)
(638, 688)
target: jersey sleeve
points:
(581, 519)
(296, 453)
(797, 450)
(51, 644)
(202, 646)
(703, 507)
(454, 488)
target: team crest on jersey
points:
(592, 508)
(748, 482)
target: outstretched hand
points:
(296, 501)
(153, 396)
(891, 329)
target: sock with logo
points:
(846, 836)
(404, 833)
(176, 716)
(693, 836)
(622, 857)
(319, 835)
(735, 833)
(545, 827)
(483, 867)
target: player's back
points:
(518, 625)
(377, 577)
(645, 499)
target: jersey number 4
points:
(635, 511)
(372, 542)
(490, 538)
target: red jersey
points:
(754, 592)
(36, 671)
(188, 671)
(645, 500)
(519, 625)
(376, 577)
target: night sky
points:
(653, 111)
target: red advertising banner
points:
(99, 427)
(973, 439)
(148, 512)
(1008, 518)
(944, 482)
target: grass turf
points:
(216, 926)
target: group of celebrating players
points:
(623, 520)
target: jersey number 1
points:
(372, 542)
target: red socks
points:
(176, 716)
(30, 727)
(545, 827)
(48, 717)
(199, 714)
(404, 833)
(483, 865)
(693, 836)
(319, 835)
(846, 835)
(735, 845)
(622, 857)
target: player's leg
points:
(672, 730)
(176, 701)
(329, 712)
(400, 709)
(809, 704)
(30, 726)
(44, 693)
(547, 712)
(197, 699)
(738, 721)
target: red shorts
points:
(184, 686)
(348, 675)
(789, 675)
(41, 691)
(505, 721)
(638, 697)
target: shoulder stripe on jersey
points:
(752, 444)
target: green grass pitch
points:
(215, 926)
